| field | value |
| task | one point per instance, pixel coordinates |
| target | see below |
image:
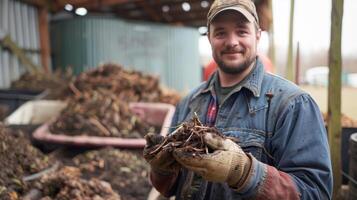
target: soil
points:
(56, 83)
(66, 184)
(100, 113)
(126, 171)
(3, 111)
(99, 104)
(18, 158)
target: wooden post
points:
(44, 39)
(297, 65)
(334, 94)
(290, 63)
(271, 51)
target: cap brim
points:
(241, 10)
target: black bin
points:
(345, 145)
(13, 98)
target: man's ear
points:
(258, 34)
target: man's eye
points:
(242, 32)
(219, 34)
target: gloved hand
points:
(228, 163)
(162, 162)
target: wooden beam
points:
(92, 4)
(44, 39)
(74, 2)
(151, 12)
(37, 3)
(8, 43)
(166, 17)
(334, 94)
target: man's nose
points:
(232, 40)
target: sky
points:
(311, 28)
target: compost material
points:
(346, 121)
(18, 158)
(188, 137)
(67, 184)
(4, 111)
(99, 104)
(126, 171)
(100, 113)
(126, 85)
(56, 83)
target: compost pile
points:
(127, 85)
(99, 104)
(170, 96)
(18, 158)
(126, 171)
(67, 184)
(55, 83)
(100, 113)
(346, 121)
(4, 110)
(188, 137)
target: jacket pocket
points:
(251, 141)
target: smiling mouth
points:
(231, 53)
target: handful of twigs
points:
(188, 137)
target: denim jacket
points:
(275, 121)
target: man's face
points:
(234, 41)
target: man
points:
(282, 150)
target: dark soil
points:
(100, 113)
(66, 184)
(18, 158)
(126, 171)
(99, 104)
(4, 111)
(56, 83)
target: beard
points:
(235, 69)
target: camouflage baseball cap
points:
(246, 7)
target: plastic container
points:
(13, 98)
(31, 115)
(35, 112)
(154, 113)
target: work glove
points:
(162, 162)
(228, 163)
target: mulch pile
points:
(100, 113)
(56, 83)
(4, 111)
(99, 104)
(126, 171)
(126, 85)
(18, 158)
(346, 121)
(67, 184)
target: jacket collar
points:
(253, 82)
